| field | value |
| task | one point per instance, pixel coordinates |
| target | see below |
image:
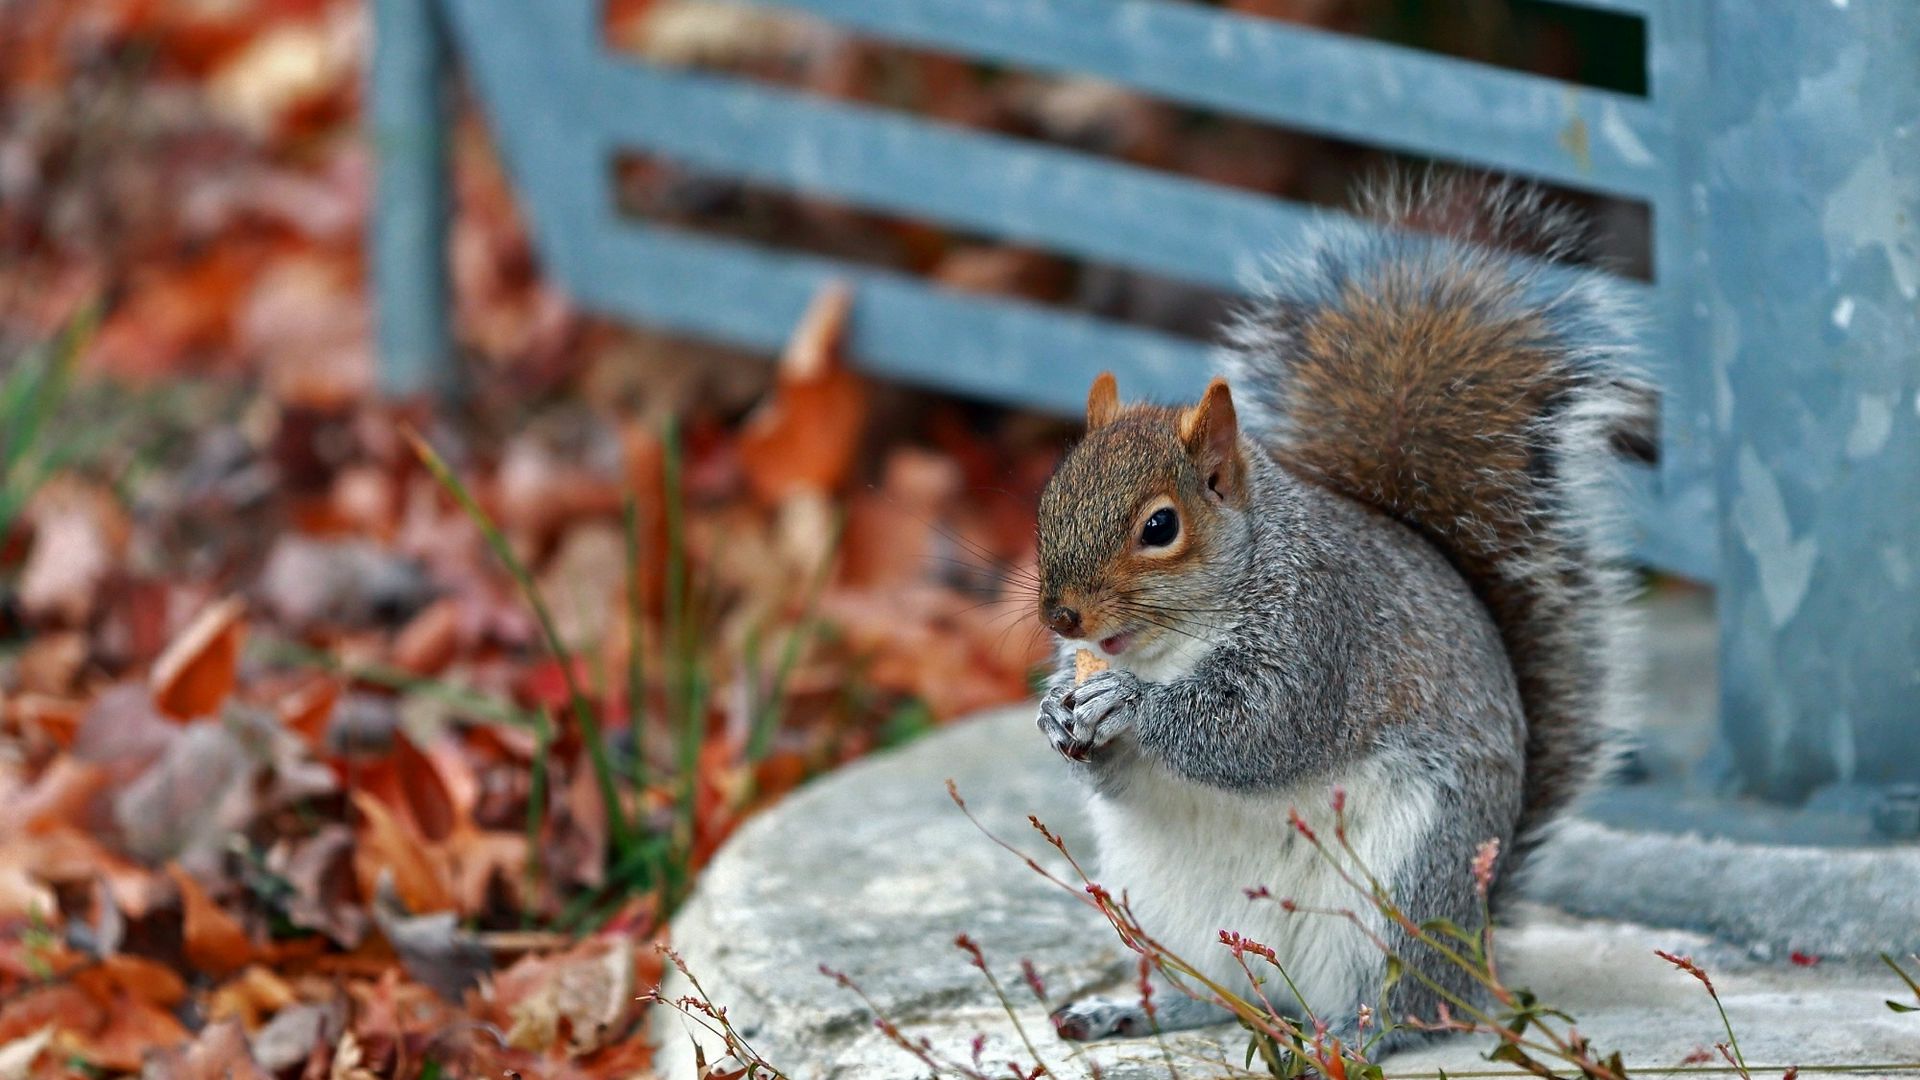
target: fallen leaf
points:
(134, 1028)
(133, 976)
(51, 663)
(61, 794)
(252, 996)
(215, 942)
(295, 1033)
(79, 533)
(434, 949)
(306, 711)
(806, 435)
(56, 720)
(388, 844)
(348, 583)
(219, 1052)
(187, 803)
(195, 675)
(326, 894)
(586, 994)
(17, 1057)
(61, 1006)
(430, 641)
(23, 895)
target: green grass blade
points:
(636, 649)
(767, 715)
(687, 707)
(617, 830)
(30, 395)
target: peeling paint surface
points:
(1872, 426)
(1811, 230)
(1865, 212)
(1614, 129)
(1760, 519)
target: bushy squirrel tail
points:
(1479, 398)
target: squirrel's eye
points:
(1160, 529)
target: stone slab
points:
(873, 871)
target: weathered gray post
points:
(407, 103)
(1809, 309)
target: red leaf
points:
(195, 675)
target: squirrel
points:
(1378, 555)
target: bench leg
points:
(408, 126)
(1811, 235)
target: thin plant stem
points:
(618, 834)
(636, 649)
(766, 717)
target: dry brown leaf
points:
(805, 436)
(22, 894)
(61, 794)
(61, 1006)
(433, 948)
(17, 1057)
(57, 720)
(134, 1029)
(219, 1052)
(387, 843)
(51, 663)
(195, 675)
(481, 858)
(251, 997)
(306, 711)
(326, 890)
(134, 976)
(429, 643)
(590, 988)
(215, 942)
(79, 533)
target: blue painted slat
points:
(1366, 91)
(1009, 188)
(997, 350)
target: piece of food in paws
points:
(1086, 665)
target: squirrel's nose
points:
(1063, 620)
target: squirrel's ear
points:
(1103, 401)
(1211, 432)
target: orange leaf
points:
(195, 675)
(62, 794)
(135, 976)
(305, 712)
(215, 941)
(386, 843)
(62, 1004)
(805, 437)
(255, 994)
(429, 643)
(134, 1027)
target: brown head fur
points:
(1135, 460)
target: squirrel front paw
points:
(1078, 720)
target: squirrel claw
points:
(1100, 709)
(1053, 722)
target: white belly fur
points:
(1184, 854)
